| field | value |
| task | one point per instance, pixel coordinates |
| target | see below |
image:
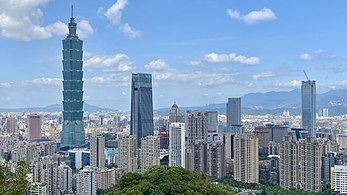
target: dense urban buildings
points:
(308, 106)
(72, 134)
(141, 122)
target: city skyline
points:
(198, 54)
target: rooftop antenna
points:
(306, 76)
(72, 11)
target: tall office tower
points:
(97, 151)
(216, 160)
(46, 171)
(308, 106)
(141, 122)
(277, 132)
(11, 124)
(175, 115)
(150, 153)
(301, 164)
(177, 146)
(86, 181)
(34, 127)
(339, 181)
(127, 154)
(72, 134)
(234, 114)
(246, 167)
(196, 126)
(64, 178)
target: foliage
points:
(167, 180)
(266, 187)
(13, 183)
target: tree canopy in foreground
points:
(167, 180)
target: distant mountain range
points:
(276, 102)
(253, 103)
(57, 108)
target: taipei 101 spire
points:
(72, 134)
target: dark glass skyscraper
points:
(72, 134)
(141, 106)
(234, 114)
(308, 106)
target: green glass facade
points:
(72, 134)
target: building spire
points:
(72, 24)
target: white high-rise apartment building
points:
(177, 145)
(64, 178)
(339, 182)
(86, 181)
(127, 154)
(150, 152)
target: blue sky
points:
(199, 51)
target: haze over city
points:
(199, 52)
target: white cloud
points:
(110, 63)
(114, 80)
(43, 81)
(252, 17)
(339, 85)
(195, 62)
(198, 78)
(305, 56)
(157, 65)
(263, 75)
(114, 15)
(84, 29)
(319, 51)
(291, 84)
(20, 20)
(7, 85)
(232, 57)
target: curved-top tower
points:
(72, 134)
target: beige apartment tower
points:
(97, 151)
(127, 154)
(150, 152)
(34, 127)
(300, 164)
(216, 164)
(246, 166)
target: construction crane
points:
(306, 75)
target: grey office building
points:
(234, 114)
(308, 106)
(141, 124)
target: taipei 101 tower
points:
(72, 134)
